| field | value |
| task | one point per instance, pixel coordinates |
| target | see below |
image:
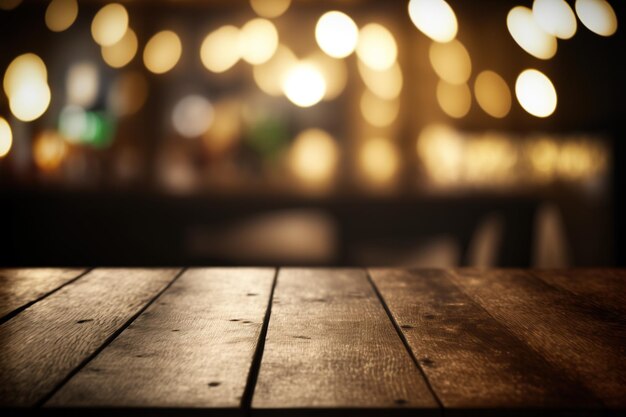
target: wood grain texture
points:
(43, 344)
(192, 348)
(604, 288)
(19, 287)
(330, 344)
(586, 346)
(472, 360)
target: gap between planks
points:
(107, 342)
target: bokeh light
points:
(109, 24)
(529, 35)
(451, 61)
(60, 14)
(30, 101)
(379, 161)
(122, 52)
(82, 84)
(492, 94)
(378, 112)
(270, 8)
(258, 40)
(597, 15)
(73, 123)
(127, 94)
(6, 137)
(162, 52)
(49, 150)
(270, 75)
(220, 49)
(440, 149)
(336, 34)
(334, 71)
(313, 157)
(304, 85)
(386, 84)
(454, 99)
(434, 18)
(192, 116)
(535, 93)
(376, 47)
(555, 17)
(9, 4)
(225, 130)
(24, 69)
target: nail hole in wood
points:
(214, 384)
(84, 321)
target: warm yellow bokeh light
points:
(555, 17)
(226, 127)
(336, 34)
(128, 93)
(529, 35)
(313, 157)
(492, 94)
(270, 75)
(334, 71)
(6, 137)
(162, 52)
(192, 116)
(9, 4)
(385, 84)
(379, 160)
(451, 61)
(82, 84)
(49, 150)
(597, 15)
(454, 99)
(440, 149)
(220, 49)
(258, 41)
(535, 93)
(270, 8)
(122, 52)
(60, 14)
(376, 47)
(304, 85)
(109, 24)
(23, 70)
(30, 101)
(379, 112)
(434, 18)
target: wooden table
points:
(260, 341)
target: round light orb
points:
(60, 14)
(434, 18)
(385, 84)
(527, 33)
(314, 157)
(379, 161)
(376, 47)
(220, 49)
(492, 94)
(535, 93)
(6, 137)
(110, 24)
(304, 85)
(23, 70)
(162, 52)
(270, 8)
(192, 116)
(270, 75)
(555, 17)
(451, 61)
(378, 112)
(597, 15)
(122, 52)
(30, 101)
(258, 41)
(336, 34)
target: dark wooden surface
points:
(260, 341)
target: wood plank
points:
(473, 362)
(604, 288)
(192, 348)
(20, 287)
(42, 345)
(330, 344)
(585, 345)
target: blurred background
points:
(312, 132)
